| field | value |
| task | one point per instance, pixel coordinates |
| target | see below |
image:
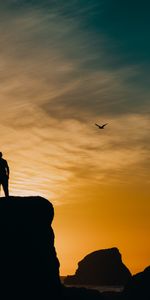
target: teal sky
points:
(95, 35)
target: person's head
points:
(1, 154)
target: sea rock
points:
(102, 267)
(29, 267)
(74, 293)
(138, 286)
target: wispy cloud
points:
(53, 87)
(58, 157)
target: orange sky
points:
(104, 217)
(61, 73)
(91, 212)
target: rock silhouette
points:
(138, 286)
(29, 267)
(74, 293)
(102, 267)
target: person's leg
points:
(5, 187)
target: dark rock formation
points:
(73, 293)
(138, 286)
(102, 267)
(29, 268)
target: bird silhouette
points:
(101, 126)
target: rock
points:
(138, 286)
(102, 267)
(29, 267)
(73, 293)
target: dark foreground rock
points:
(74, 293)
(29, 268)
(102, 267)
(138, 286)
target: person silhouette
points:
(4, 175)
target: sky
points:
(64, 66)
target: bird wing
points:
(105, 124)
(97, 125)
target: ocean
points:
(106, 288)
(102, 288)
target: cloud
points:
(47, 61)
(56, 158)
(54, 87)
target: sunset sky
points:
(64, 66)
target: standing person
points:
(4, 175)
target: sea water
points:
(104, 288)
(101, 289)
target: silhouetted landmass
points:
(102, 267)
(74, 293)
(138, 286)
(29, 267)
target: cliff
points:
(138, 287)
(102, 267)
(29, 268)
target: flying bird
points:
(101, 126)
